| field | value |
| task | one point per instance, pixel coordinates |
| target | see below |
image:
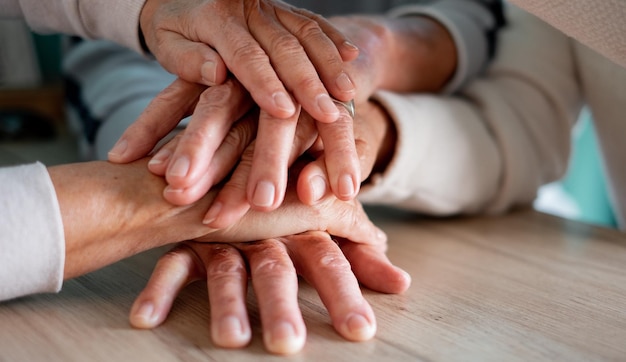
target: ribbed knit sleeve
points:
(115, 20)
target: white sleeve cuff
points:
(31, 229)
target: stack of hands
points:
(270, 163)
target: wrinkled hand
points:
(272, 266)
(271, 47)
(222, 127)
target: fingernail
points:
(349, 44)
(212, 214)
(344, 83)
(283, 101)
(160, 157)
(346, 186)
(120, 147)
(180, 167)
(264, 194)
(359, 327)
(145, 313)
(283, 339)
(208, 72)
(170, 190)
(326, 105)
(232, 327)
(318, 187)
(381, 236)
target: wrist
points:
(424, 53)
(145, 19)
(384, 127)
(111, 211)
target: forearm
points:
(110, 212)
(422, 54)
(491, 149)
(473, 25)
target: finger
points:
(324, 266)
(276, 287)
(352, 224)
(223, 162)
(312, 184)
(342, 161)
(323, 44)
(192, 61)
(160, 117)
(268, 174)
(231, 202)
(217, 109)
(227, 281)
(292, 64)
(160, 160)
(344, 45)
(172, 273)
(373, 269)
(252, 67)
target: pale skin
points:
(106, 218)
(375, 139)
(276, 51)
(106, 214)
(273, 265)
(313, 255)
(411, 44)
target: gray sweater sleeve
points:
(473, 25)
(116, 20)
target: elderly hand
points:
(232, 124)
(271, 47)
(273, 265)
(115, 211)
(411, 44)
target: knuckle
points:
(287, 44)
(216, 97)
(240, 135)
(272, 267)
(309, 30)
(195, 138)
(249, 53)
(334, 263)
(177, 263)
(225, 264)
(309, 81)
(272, 259)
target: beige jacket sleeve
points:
(491, 147)
(600, 25)
(115, 20)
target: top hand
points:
(272, 48)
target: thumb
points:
(192, 61)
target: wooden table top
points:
(525, 286)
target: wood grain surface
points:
(525, 286)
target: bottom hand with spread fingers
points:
(272, 266)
